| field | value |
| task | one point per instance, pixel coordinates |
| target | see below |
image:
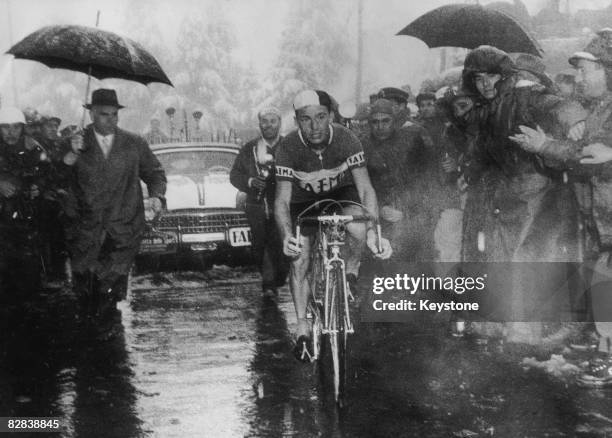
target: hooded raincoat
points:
(523, 212)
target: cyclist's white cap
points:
(311, 97)
(10, 115)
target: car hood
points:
(210, 191)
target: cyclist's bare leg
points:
(300, 287)
(355, 241)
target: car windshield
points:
(198, 178)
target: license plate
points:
(240, 236)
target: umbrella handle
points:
(88, 80)
(86, 94)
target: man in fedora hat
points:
(110, 216)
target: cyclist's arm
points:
(365, 190)
(381, 249)
(281, 208)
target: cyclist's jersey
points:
(316, 176)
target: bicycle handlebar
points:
(336, 218)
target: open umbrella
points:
(92, 51)
(470, 26)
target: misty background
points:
(228, 58)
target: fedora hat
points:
(103, 96)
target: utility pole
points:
(359, 76)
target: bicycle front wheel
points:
(338, 335)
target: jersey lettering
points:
(323, 180)
(286, 172)
(355, 160)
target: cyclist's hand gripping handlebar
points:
(381, 248)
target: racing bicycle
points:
(328, 305)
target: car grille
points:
(203, 223)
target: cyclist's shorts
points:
(348, 193)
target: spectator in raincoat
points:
(588, 156)
(528, 214)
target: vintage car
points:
(201, 215)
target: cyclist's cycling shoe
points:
(598, 374)
(303, 349)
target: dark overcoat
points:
(109, 199)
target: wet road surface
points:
(203, 355)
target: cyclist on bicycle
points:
(321, 160)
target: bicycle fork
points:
(335, 262)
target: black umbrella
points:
(92, 51)
(470, 26)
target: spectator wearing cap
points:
(50, 139)
(107, 165)
(53, 239)
(399, 98)
(392, 157)
(49, 127)
(253, 174)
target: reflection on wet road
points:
(197, 355)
